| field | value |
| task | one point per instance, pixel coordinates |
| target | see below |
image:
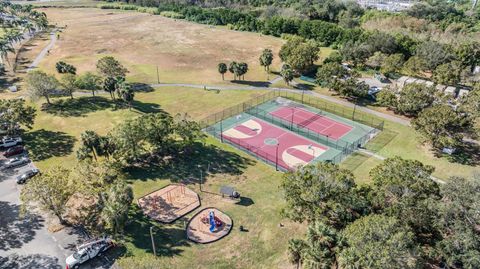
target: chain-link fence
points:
(251, 107)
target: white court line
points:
(325, 116)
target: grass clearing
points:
(56, 134)
(183, 51)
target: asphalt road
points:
(25, 241)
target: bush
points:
(172, 14)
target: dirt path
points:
(44, 52)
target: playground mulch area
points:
(198, 229)
(169, 203)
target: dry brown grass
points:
(183, 51)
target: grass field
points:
(54, 140)
(188, 53)
(183, 51)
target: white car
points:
(88, 251)
(10, 142)
(16, 161)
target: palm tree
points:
(222, 69)
(91, 141)
(287, 73)
(5, 48)
(296, 247)
(232, 67)
(116, 203)
(126, 93)
(266, 59)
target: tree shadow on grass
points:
(468, 154)
(43, 144)
(29, 261)
(147, 107)
(187, 167)
(15, 230)
(141, 87)
(78, 107)
(168, 238)
(304, 87)
(252, 83)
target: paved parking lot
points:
(25, 241)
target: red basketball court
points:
(314, 122)
(262, 139)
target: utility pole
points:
(153, 242)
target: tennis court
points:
(287, 133)
(316, 122)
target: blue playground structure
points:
(212, 222)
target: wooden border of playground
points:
(166, 204)
(195, 218)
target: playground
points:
(169, 203)
(209, 225)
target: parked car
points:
(14, 151)
(88, 251)
(16, 161)
(9, 142)
(27, 175)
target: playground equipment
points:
(169, 203)
(215, 222)
(208, 225)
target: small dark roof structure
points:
(227, 190)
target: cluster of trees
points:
(403, 220)
(237, 69)
(445, 64)
(60, 191)
(156, 134)
(300, 54)
(111, 79)
(440, 123)
(17, 20)
(334, 76)
(15, 113)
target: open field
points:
(56, 133)
(188, 53)
(66, 121)
(183, 51)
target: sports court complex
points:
(287, 133)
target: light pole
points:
(291, 123)
(303, 92)
(354, 109)
(276, 157)
(313, 150)
(158, 76)
(221, 131)
(153, 242)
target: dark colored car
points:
(27, 175)
(14, 151)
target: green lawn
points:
(55, 136)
